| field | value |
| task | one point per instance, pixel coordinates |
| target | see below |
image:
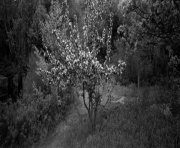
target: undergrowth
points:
(141, 123)
(31, 118)
(128, 127)
(138, 125)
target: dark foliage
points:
(31, 118)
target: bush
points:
(127, 127)
(31, 118)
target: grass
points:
(136, 124)
(140, 124)
(127, 126)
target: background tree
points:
(154, 24)
(160, 22)
(16, 18)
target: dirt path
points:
(58, 138)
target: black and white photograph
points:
(89, 73)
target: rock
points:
(121, 100)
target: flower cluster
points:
(77, 60)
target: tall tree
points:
(154, 25)
(16, 18)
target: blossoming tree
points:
(74, 62)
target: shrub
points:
(31, 118)
(127, 127)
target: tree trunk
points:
(20, 83)
(94, 120)
(138, 76)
